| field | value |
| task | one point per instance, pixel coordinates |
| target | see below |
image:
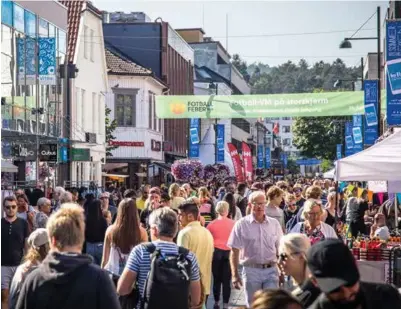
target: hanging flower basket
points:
(186, 170)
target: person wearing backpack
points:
(167, 275)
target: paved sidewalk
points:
(237, 299)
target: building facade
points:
(158, 47)
(139, 133)
(87, 92)
(33, 44)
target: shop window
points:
(286, 129)
(86, 42)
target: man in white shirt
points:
(379, 228)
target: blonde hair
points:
(273, 192)
(203, 192)
(254, 195)
(289, 197)
(222, 207)
(313, 192)
(173, 189)
(67, 226)
(273, 299)
(308, 205)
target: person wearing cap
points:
(256, 237)
(339, 280)
(379, 228)
(38, 247)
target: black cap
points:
(332, 264)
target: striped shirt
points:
(139, 261)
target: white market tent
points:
(331, 174)
(8, 167)
(381, 161)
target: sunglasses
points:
(285, 256)
(10, 207)
(293, 204)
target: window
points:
(286, 129)
(286, 118)
(78, 108)
(242, 124)
(92, 47)
(100, 115)
(86, 42)
(153, 123)
(94, 113)
(125, 107)
(287, 141)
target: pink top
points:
(221, 230)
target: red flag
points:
(236, 162)
(247, 158)
(276, 128)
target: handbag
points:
(131, 300)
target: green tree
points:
(241, 66)
(110, 127)
(326, 165)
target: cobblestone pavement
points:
(237, 300)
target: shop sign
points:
(48, 152)
(80, 154)
(156, 145)
(25, 152)
(127, 144)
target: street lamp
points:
(347, 44)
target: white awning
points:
(8, 167)
(114, 175)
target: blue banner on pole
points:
(349, 142)
(47, 61)
(285, 160)
(260, 156)
(371, 118)
(220, 143)
(357, 133)
(339, 152)
(308, 161)
(267, 157)
(193, 138)
(393, 78)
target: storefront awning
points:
(165, 166)
(113, 166)
(114, 175)
(8, 167)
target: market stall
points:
(377, 261)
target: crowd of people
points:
(175, 246)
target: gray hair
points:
(309, 204)
(255, 195)
(66, 197)
(42, 201)
(59, 190)
(165, 220)
(294, 243)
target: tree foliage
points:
(110, 127)
(241, 66)
(313, 136)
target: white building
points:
(285, 133)
(139, 134)
(86, 51)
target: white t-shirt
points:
(326, 230)
(238, 214)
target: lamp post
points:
(347, 44)
(214, 88)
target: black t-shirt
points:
(13, 235)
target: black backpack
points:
(167, 284)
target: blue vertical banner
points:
(349, 141)
(285, 160)
(393, 66)
(26, 64)
(193, 151)
(47, 61)
(260, 156)
(339, 152)
(220, 143)
(357, 133)
(267, 157)
(371, 120)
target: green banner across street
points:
(261, 105)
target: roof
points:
(117, 63)
(191, 29)
(74, 18)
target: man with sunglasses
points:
(339, 280)
(14, 232)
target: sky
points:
(271, 32)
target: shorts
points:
(7, 274)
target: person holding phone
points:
(379, 228)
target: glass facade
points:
(31, 88)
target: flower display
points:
(191, 171)
(217, 172)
